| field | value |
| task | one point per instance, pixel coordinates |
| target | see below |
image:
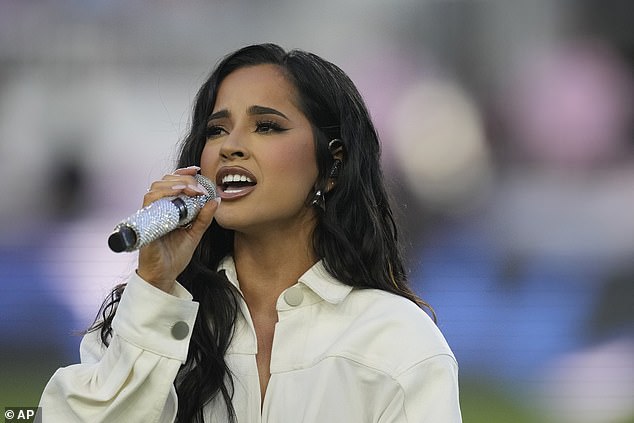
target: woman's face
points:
(260, 152)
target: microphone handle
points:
(158, 219)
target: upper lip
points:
(233, 170)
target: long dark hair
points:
(355, 233)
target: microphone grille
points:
(209, 186)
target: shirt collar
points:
(316, 278)
(228, 266)
(324, 284)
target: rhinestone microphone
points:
(159, 218)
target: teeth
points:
(235, 178)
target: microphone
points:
(159, 218)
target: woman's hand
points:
(161, 261)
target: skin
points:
(255, 129)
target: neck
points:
(268, 264)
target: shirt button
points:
(294, 296)
(180, 330)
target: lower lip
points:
(235, 194)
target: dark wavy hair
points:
(355, 235)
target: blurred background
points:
(507, 129)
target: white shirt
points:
(339, 355)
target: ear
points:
(338, 152)
(337, 149)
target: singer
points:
(286, 300)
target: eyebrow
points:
(221, 114)
(253, 110)
(262, 110)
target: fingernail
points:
(197, 168)
(199, 188)
(218, 200)
(179, 187)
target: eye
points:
(214, 131)
(267, 127)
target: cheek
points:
(300, 162)
(209, 160)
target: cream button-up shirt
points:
(340, 355)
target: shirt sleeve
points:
(428, 393)
(131, 380)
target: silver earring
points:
(334, 170)
(319, 200)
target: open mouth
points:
(234, 182)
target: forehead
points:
(264, 84)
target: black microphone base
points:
(122, 239)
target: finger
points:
(186, 179)
(159, 191)
(191, 189)
(189, 186)
(191, 183)
(155, 194)
(190, 170)
(171, 186)
(204, 219)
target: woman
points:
(291, 303)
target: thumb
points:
(205, 216)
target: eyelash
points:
(261, 126)
(214, 131)
(268, 126)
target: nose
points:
(233, 148)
